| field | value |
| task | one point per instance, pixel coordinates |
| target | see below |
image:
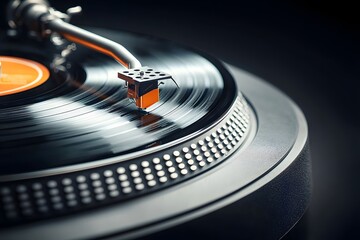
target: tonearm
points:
(39, 17)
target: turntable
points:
(102, 140)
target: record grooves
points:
(86, 123)
(44, 124)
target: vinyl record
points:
(82, 113)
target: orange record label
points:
(19, 75)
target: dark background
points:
(308, 49)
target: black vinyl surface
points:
(308, 49)
(86, 116)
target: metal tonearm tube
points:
(39, 17)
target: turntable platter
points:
(76, 154)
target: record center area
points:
(19, 74)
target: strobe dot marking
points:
(80, 179)
(161, 173)
(156, 160)
(181, 165)
(38, 194)
(120, 170)
(108, 173)
(110, 180)
(151, 183)
(72, 203)
(54, 191)
(66, 181)
(21, 188)
(127, 190)
(137, 180)
(129, 178)
(149, 177)
(133, 167)
(68, 189)
(163, 179)
(36, 186)
(98, 190)
(95, 176)
(145, 164)
(123, 177)
(140, 187)
(112, 187)
(174, 175)
(96, 183)
(100, 197)
(23, 196)
(125, 184)
(193, 168)
(135, 174)
(171, 169)
(114, 194)
(83, 186)
(5, 191)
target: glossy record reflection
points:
(95, 120)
